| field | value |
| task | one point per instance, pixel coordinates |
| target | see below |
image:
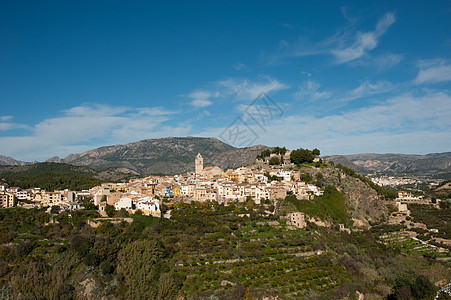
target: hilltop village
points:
(270, 178)
(279, 226)
(259, 182)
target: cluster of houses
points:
(205, 184)
(402, 212)
(393, 181)
(407, 197)
(118, 195)
(213, 184)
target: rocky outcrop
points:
(363, 202)
(55, 159)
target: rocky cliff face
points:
(166, 155)
(363, 202)
(395, 163)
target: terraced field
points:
(270, 259)
(412, 245)
(206, 251)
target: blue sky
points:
(364, 76)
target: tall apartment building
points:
(7, 199)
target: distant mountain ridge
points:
(172, 155)
(395, 163)
(175, 155)
(9, 161)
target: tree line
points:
(297, 156)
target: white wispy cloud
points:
(374, 128)
(203, 94)
(86, 126)
(363, 42)
(201, 103)
(154, 111)
(246, 89)
(286, 25)
(7, 124)
(239, 66)
(367, 88)
(6, 118)
(201, 98)
(433, 72)
(345, 46)
(242, 89)
(310, 90)
(387, 61)
(380, 62)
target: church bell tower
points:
(199, 164)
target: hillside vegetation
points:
(348, 196)
(331, 206)
(50, 176)
(206, 251)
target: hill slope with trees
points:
(204, 251)
(50, 176)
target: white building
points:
(149, 206)
(228, 190)
(285, 175)
(22, 195)
(260, 177)
(188, 189)
(124, 202)
(314, 189)
(408, 197)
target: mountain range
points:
(172, 155)
(175, 155)
(9, 161)
(395, 163)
